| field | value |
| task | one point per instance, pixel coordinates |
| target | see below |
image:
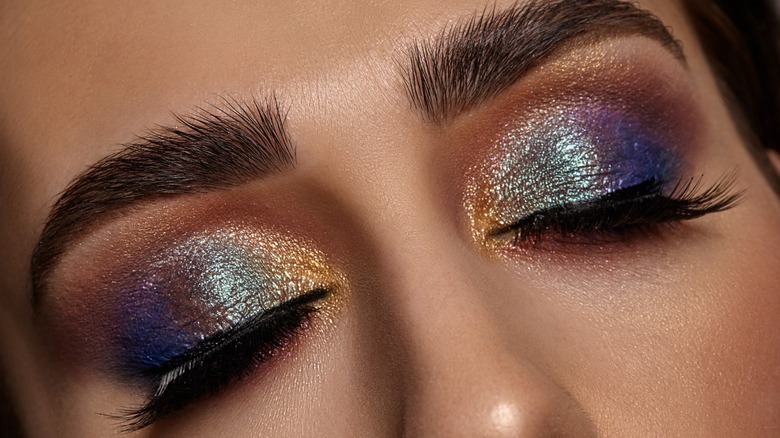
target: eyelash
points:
(221, 359)
(623, 214)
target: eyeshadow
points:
(206, 283)
(565, 153)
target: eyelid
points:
(207, 282)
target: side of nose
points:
(466, 379)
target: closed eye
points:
(619, 215)
(221, 359)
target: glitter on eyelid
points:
(562, 155)
(209, 282)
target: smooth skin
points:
(436, 338)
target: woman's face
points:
(380, 218)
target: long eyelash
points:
(221, 359)
(644, 204)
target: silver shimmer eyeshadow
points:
(564, 154)
(208, 282)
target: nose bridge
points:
(465, 379)
(462, 376)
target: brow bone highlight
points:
(475, 60)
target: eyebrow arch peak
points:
(218, 147)
(475, 60)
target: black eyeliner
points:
(220, 359)
(641, 205)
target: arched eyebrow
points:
(220, 147)
(475, 60)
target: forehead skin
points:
(80, 78)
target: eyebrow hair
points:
(475, 60)
(216, 148)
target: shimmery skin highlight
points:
(206, 283)
(565, 153)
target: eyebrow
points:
(475, 60)
(219, 147)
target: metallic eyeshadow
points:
(208, 282)
(565, 153)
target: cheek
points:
(681, 341)
(707, 352)
(744, 339)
